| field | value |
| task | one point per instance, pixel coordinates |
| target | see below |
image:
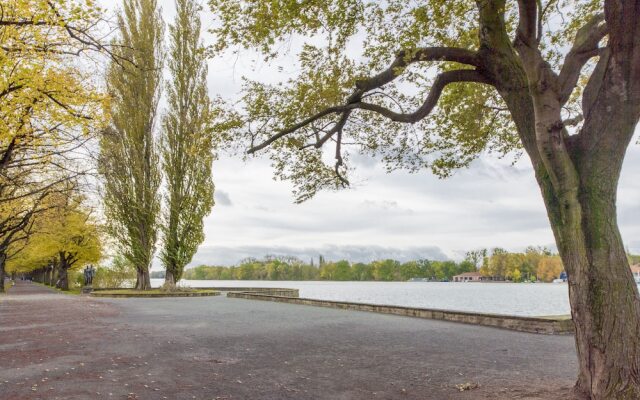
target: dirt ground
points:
(56, 346)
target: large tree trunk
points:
(143, 281)
(63, 276)
(605, 306)
(169, 279)
(578, 175)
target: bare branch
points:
(573, 121)
(528, 23)
(592, 89)
(584, 48)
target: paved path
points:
(55, 346)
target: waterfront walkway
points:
(57, 346)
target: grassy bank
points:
(155, 293)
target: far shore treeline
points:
(534, 264)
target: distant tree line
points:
(291, 268)
(534, 264)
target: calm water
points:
(499, 298)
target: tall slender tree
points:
(129, 161)
(186, 144)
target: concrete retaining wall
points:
(283, 292)
(100, 293)
(545, 325)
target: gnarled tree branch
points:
(445, 78)
(405, 58)
(402, 60)
(528, 24)
(584, 48)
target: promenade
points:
(57, 346)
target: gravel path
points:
(55, 346)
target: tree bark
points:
(63, 276)
(169, 279)
(143, 281)
(51, 275)
(3, 258)
(605, 304)
(579, 182)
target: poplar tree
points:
(556, 80)
(186, 144)
(129, 161)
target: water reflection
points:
(499, 298)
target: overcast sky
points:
(399, 215)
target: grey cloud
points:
(363, 161)
(634, 247)
(385, 205)
(222, 198)
(225, 255)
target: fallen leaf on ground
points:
(467, 386)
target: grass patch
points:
(75, 291)
(182, 292)
(154, 291)
(556, 317)
(72, 290)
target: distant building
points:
(468, 277)
(496, 278)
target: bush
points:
(76, 279)
(118, 274)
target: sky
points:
(399, 215)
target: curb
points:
(559, 325)
(152, 295)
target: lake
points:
(527, 299)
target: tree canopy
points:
(417, 110)
(51, 106)
(45, 92)
(65, 234)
